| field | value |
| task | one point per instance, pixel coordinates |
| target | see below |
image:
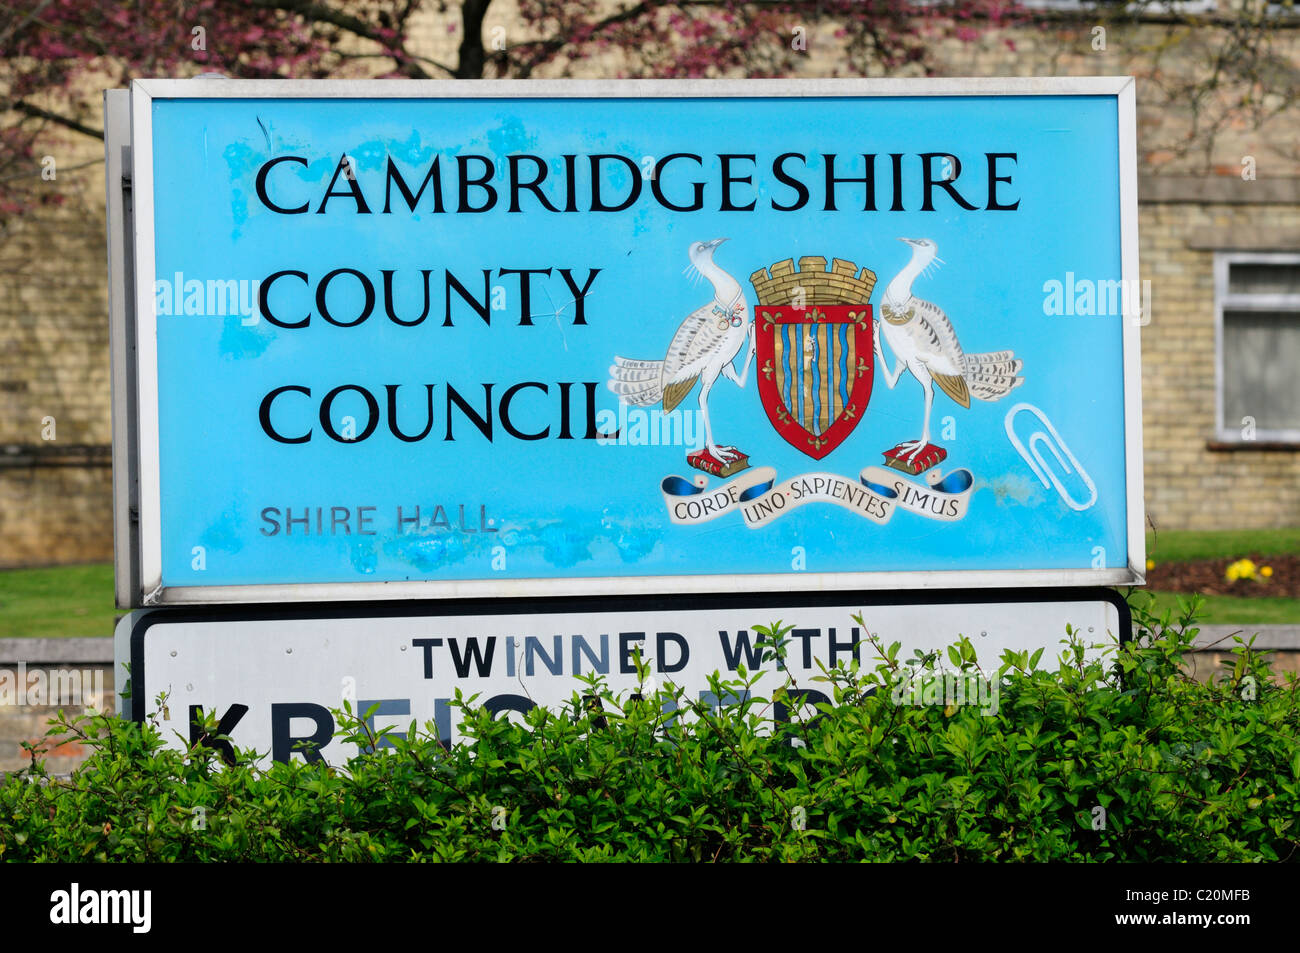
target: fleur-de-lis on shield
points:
(768, 369)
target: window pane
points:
(1261, 369)
(1260, 278)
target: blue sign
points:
(557, 342)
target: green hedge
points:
(1123, 759)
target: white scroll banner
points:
(875, 495)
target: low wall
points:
(38, 677)
(1215, 643)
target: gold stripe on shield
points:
(852, 362)
(837, 379)
(796, 368)
(807, 407)
(792, 369)
(778, 340)
(825, 364)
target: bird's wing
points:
(696, 342)
(954, 386)
(639, 383)
(937, 348)
(936, 341)
(676, 392)
(992, 375)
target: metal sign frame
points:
(137, 502)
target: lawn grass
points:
(1178, 546)
(1230, 610)
(1181, 546)
(59, 601)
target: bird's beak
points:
(716, 242)
(909, 241)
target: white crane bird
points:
(704, 346)
(923, 341)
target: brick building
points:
(1219, 196)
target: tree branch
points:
(318, 12)
(546, 48)
(27, 109)
(472, 55)
(31, 173)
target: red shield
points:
(816, 366)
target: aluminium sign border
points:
(140, 492)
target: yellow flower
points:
(1241, 569)
(1246, 569)
(1151, 564)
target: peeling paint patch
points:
(239, 340)
(240, 160)
(633, 540)
(224, 535)
(1013, 488)
(364, 557)
(510, 136)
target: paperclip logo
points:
(1065, 460)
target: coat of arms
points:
(817, 343)
(813, 334)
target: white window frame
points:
(1227, 301)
